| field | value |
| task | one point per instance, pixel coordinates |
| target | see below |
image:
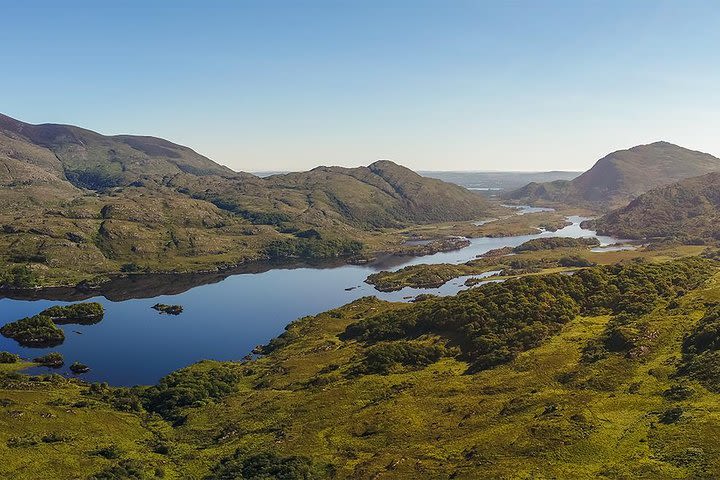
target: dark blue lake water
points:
(224, 320)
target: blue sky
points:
(288, 85)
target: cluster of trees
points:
(312, 248)
(36, 331)
(86, 313)
(383, 357)
(552, 243)
(268, 465)
(41, 330)
(497, 321)
(19, 276)
(701, 351)
(188, 388)
(123, 470)
(53, 359)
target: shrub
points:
(110, 452)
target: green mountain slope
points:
(75, 203)
(689, 209)
(621, 176)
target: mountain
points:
(621, 176)
(91, 160)
(689, 209)
(73, 200)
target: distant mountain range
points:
(493, 183)
(621, 176)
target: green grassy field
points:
(547, 413)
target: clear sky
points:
(435, 85)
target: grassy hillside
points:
(688, 210)
(621, 176)
(78, 205)
(605, 374)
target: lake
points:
(224, 315)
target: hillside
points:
(621, 176)
(687, 210)
(608, 373)
(77, 204)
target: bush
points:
(383, 357)
(110, 452)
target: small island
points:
(168, 309)
(78, 368)
(36, 331)
(7, 357)
(52, 360)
